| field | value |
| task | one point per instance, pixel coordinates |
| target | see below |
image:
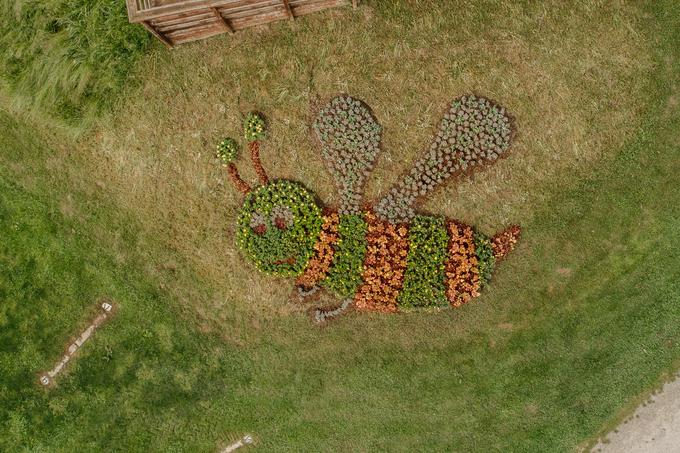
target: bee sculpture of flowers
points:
(387, 257)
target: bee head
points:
(280, 220)
(278, 226)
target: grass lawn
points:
(581, 320)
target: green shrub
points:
(345, 274)
(424, 279)
(254, 127)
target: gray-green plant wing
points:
(473, 132)
(350, 138)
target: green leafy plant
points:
(227, 150)
(344, 276)
(278, 226)
(473, 131)
(424, 279)
(254, 127)
(485, 254)
(351, 143)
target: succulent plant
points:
(351, 142)
(472, 132)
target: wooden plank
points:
(313, 7)
(202, 35)
(222, 20)
(163, 21)
(288, 10)
(258, 12)
(177, 34)
(259, 20)
(294, 3)
(194, 23)
(153, 31)
(178, 8)
(181, 16)
(131, 9)
(169, 10)
(247, 5)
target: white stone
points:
(73, 348)
(85, 335)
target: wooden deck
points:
(179, 21)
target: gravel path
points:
(654, 427)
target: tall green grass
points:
(67, 58)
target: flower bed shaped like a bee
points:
(387, 257)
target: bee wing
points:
(350, 138)
(473, 132)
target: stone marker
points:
(245, 440)
(47, 378)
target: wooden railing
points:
(179, 21)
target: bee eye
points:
(282, 217)
(258, 223)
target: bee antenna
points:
(227, 152)
(254, 129)
(254, 148)
(236, 179)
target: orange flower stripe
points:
(462, 267)
(505, 241)
(384, 266)
(324, 249)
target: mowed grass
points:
(145, 371)
(580, 319)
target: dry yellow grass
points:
(572, 75)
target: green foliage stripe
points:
(345, 274)
(424, 279)
(484, 253)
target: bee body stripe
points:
(384, 266)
